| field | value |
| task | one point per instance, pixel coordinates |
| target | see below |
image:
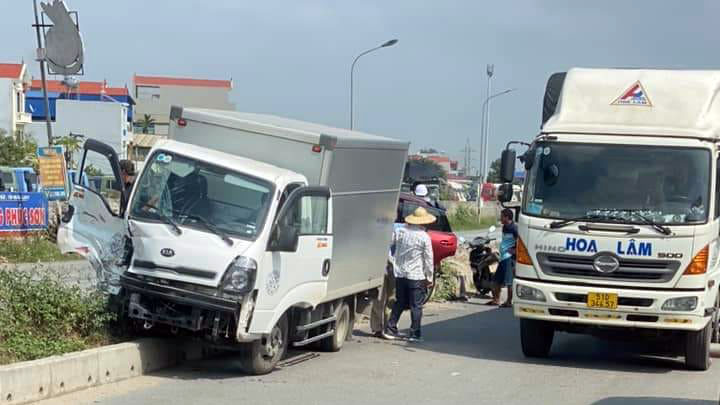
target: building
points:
(441, 159)
(82, 91)
(14, 81)
(155, 95)
(139, 147)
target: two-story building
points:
(14, 81)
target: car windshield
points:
(610, 183)
(188, 192)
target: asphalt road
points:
(471, 355)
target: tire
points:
(697, 348)
(261, 356)
(342, 330)
(536, 337)
(716, 321)
(552, 95)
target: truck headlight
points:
(240, 276)
(528, 293)
(680, 304)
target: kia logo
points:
(606, 263)
(167, 252)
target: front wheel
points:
(261, 356)
(343, 329)
(697, 348)
(536, 337)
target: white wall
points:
(7, 111)
(156, 101)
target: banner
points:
(22, 212)
(53, 172)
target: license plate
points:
(602, 300)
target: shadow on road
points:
(651, 401)
(495, 335)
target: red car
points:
(443, 239)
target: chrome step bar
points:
(306, 342)
(313, 325)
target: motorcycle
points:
(481, 257)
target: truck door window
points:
(717, 188)
(97, 165)
(313, 215)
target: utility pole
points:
(467, 157)
(41, 59)
(490, 70)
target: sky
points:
(292, 57)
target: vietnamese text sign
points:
(20, 212)
(53, 174)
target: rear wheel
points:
(716, 321)
(342, 330)
(261, 356)
(697, 348)
(536, 337)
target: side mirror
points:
(284, 239)
(505, 192)
(507, 166)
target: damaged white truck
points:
(619, 224)
(254, 231)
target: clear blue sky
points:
(292, 57)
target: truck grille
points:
(657, 271)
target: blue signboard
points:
(21, 212)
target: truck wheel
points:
(261, 356)
(697, 348)
(716, 321)
(536, 337)
(342, 330)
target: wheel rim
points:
(341, 326)
(273, 343)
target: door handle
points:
(326, 268)
(444, 242)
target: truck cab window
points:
(717, 188)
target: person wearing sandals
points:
(413, 270)
(505, 271)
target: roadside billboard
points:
(23, 212)
(53, 172)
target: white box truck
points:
(619, 224)
(255, 231)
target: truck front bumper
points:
(636, 308)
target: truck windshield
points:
(192, 193)
(611, 183)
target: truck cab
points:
(620, 214)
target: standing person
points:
(386, 296)
(127, 173)
(413, 272)
(505, 270)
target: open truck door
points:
(93, 224)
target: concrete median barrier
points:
(53, 376)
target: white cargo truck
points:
(255, 231)
(620, 216)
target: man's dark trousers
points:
(409, 294)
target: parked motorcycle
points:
(481, 257)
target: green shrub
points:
(32, 249)
(466, 218)
(40, 317)
(446, 283)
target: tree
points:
(17, 151)
(146, 123)
(72, 144)
(429, 150)
(92, 171)
(418, 169)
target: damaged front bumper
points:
(151, 300)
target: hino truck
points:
(620, 215)
(254, 231)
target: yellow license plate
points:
(602, 300)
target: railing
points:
(23, 117)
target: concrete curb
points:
(53, 376)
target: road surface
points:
(471, 356)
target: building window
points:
(147, 93)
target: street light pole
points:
(352, 73)
(487, 132)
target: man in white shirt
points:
(413, 272)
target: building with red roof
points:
(155, 95)
(14, 79)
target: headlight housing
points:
(680, 304)
(529, 293)
(240, 276)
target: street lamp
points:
(485, 136)
(352, 72)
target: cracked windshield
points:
(186, 192)
(619, 183)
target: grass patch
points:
(446, 283)
(31, 249)
(465, 219)
(40, 317)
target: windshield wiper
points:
(647, 221)
(565, 222)
(168, 220)
(212, 228)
